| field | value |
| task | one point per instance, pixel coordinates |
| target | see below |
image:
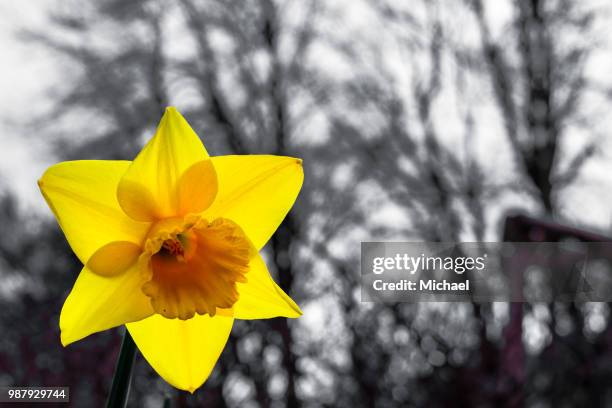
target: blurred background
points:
(417, 121)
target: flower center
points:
(195, 267)
(173, 247)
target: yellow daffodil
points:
(170, 246)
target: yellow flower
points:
(170, 246)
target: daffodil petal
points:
(256, 192)
(114, 258)
(99, 303)
(151, 181)
(182, 352)
(197, 187)
(136, 201)
(260, 297)
(82, 195)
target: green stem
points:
(123, 374)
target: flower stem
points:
(123, 374)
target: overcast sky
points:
(24, 76)
(27, 72)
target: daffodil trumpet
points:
(170, 246)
